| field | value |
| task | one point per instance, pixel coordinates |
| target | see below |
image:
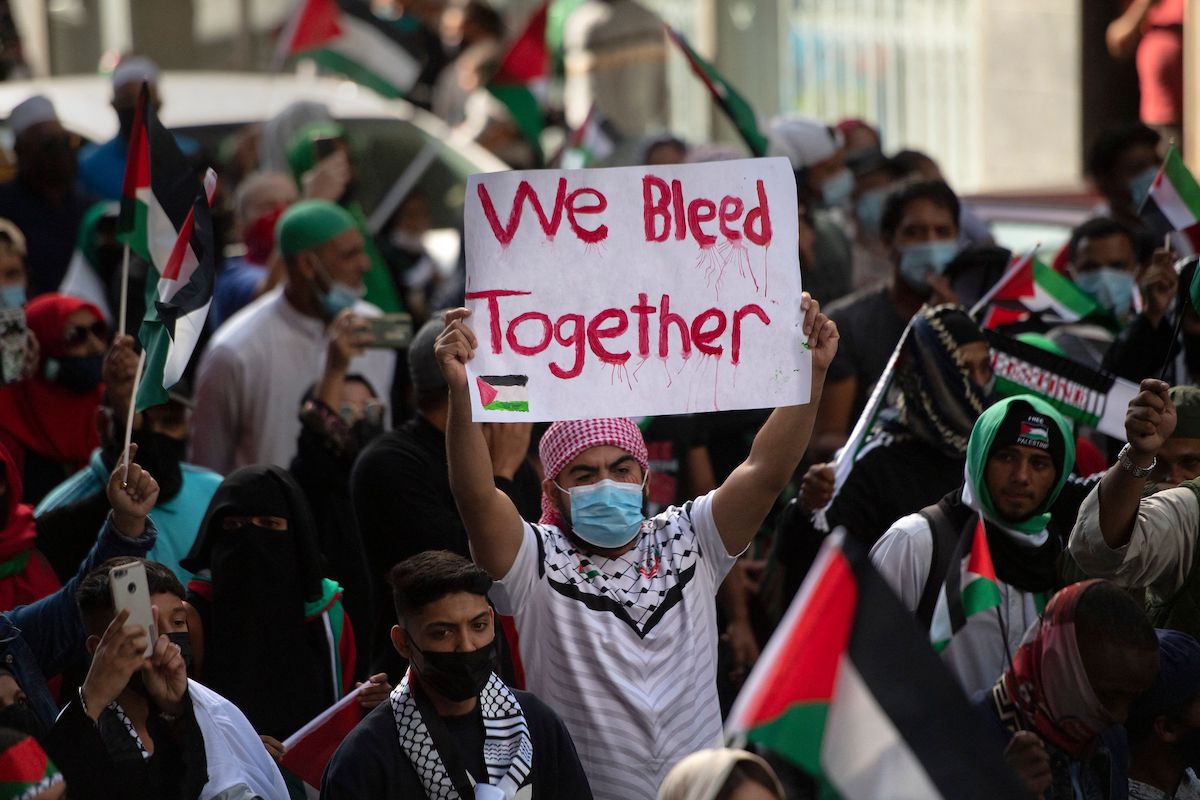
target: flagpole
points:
(1018, 265)
(124, 292)
(843, 461)
(137, 379)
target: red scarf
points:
(24, 574)
(40, 415)
(1048, 683)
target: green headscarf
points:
(983, 437)
(302, 153)
(310, 224)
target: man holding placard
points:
(616, 615)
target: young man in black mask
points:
(452, 722)
(161, 432)
(137, 727)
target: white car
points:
(209, 107)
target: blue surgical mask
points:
(919, 261)
(1111, 288)
(339, 296)
(868, 210)
(606, 513)
(837, 190)
(1139, 185)
(12, 296)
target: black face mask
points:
(160, 455)
(79, 374)
(184, 640)
(21, 716)
(456, 676)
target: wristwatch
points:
(1132, 468)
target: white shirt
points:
(976, 654)
(255, 371)
(624, 649)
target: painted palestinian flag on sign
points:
(503, 392)
(969, 590)
(1030, 286)
(345, 36)
(1173, 203)
(728, 99)
(849, 690)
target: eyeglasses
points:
(78, 334)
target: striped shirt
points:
(624, 649)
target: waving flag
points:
(183, 293)
(735, 106)
(972, 588)
(849, 690)
(165, 218)
(1031, 287)
(521, 78)
(308, 750)
(1173, 203)
(345, 36)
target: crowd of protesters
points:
(567, 610)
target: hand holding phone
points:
(131, 592)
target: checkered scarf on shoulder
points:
(507, 748)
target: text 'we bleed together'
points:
(667, 214)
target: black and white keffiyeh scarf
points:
(507, 748)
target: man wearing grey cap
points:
(400, 486)
(42, 200)
(102, 167)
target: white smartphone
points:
(130, 591)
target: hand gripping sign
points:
(634, 291)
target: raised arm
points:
(1149, 421)
(493, 525)
(1124, 32)
(741, 503)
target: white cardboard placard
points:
(634, 291)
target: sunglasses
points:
(78, 334)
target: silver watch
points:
(1132, 468)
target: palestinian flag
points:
(27, 770)
(308, 750)
(1091, 397)
(503, 392)
(1031, 287)
(970, 590)
(521, 78)
(159, 189)
(345, 36)
(849, 689)
(1173, 203)
(175, 321)
(591, 143)
(736, 107)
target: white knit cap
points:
(135, 69)
(30, 112)
(802, 140)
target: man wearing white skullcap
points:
(102, 167)
(42, 200)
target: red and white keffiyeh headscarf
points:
(1048, 683)
(565, 440)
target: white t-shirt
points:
(253, 375)
(624, 649)
(976, 655)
